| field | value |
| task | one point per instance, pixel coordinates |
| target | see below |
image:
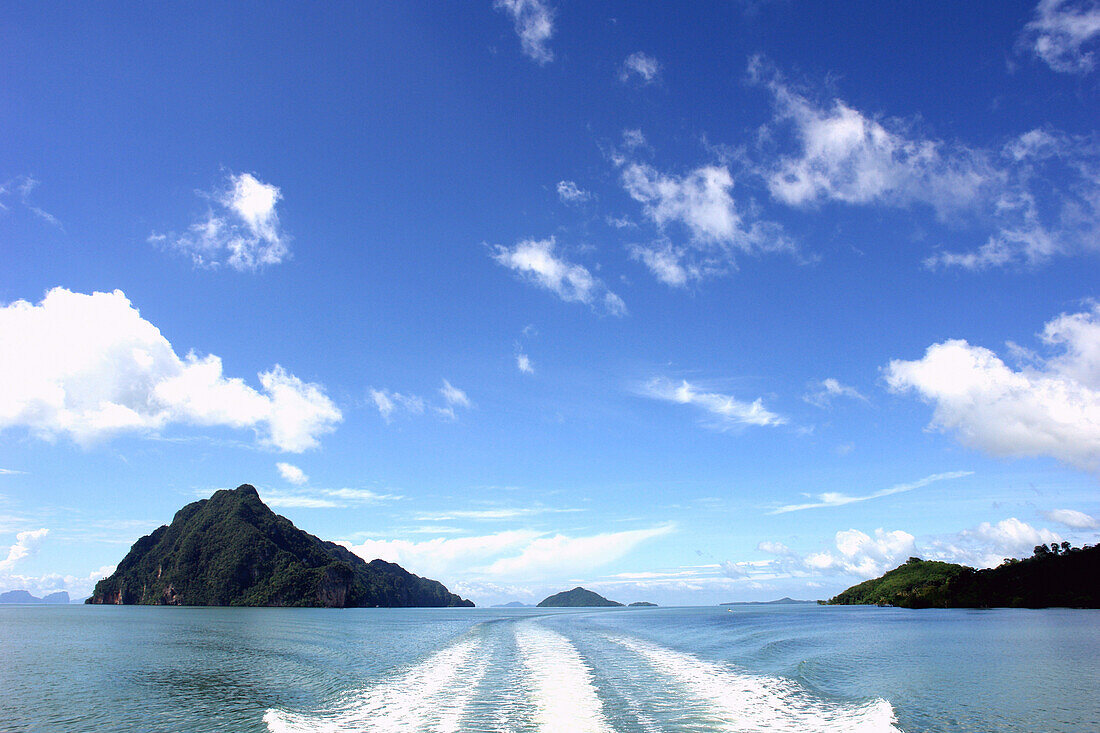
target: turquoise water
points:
(787, 668)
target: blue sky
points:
(725, 301)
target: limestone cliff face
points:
(232, 550)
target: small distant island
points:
(22, 596)
(1054, 576)
(645, 604)
(576, 598)
(782, 601)
(513, 604)
(232, 550)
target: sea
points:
(798, 668)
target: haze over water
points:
(792, 668)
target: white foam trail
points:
(433, 695)
(561, 686)
(741, 702)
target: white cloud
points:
(560, 555)
(10, 472)
(536, 261)
(524, 364)
(77, 586)
(389, 402)
(1049, 408)
(641, 66)
(534, 23)
(240, 230)
(521, 555)
(848, 157)
(21, 187)
(823, 392)
(454, 396)
(1072, 518)
(1061, 31)
(570, 193)
(443, 556)
(859, 554)
(292, 473)
(700, 201)
(26, 543)
(988, 544)
(88, 366)
(833, 498)
(725, 410)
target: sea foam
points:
(432, 695)
(560, 683)
(736, 701)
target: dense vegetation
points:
(576, 598)
(1058, 575)
(232, 550)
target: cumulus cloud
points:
(241, 228)
(862, 555)
(833, 498)
(26, 544)
(989, 544)
(1050, 407)
(844, 155)
(1061, 31)
(640, 66)
(536, 261)
(534, 23)
(1072, 518)
(569, 192)
(89, 366)
(822, 393)
(292, 473)
(41, 585)
(723, 411)
(702, 203)
(524, 364)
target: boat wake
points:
(433, 696)
(525, 676)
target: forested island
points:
(576, 598)
(232, 550)
(24, 597)
(1054, 576)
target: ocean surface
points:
(763, 668)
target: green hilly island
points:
(576, 598)
(232, 550)
(1055, 576)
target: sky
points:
(685, 303)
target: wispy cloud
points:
(724, 410)
(493, 514)
(1061, 31)
(823, 393)
(524, 364)
(640, 66)
(20, 188)
(241, 228)
(390, 404)
(833, 498)
(570, 193)
(534, 23)
(536, 261)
